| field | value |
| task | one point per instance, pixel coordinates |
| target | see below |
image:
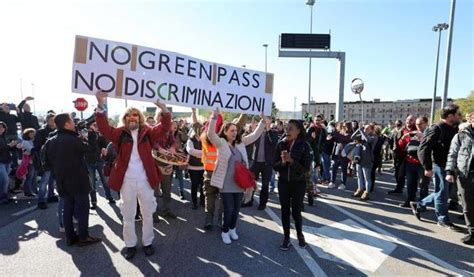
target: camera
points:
(85, 123)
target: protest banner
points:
(145, 74)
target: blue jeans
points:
(414, 173)
(232, 203)
(439, 197)
(46, 179)
(314, 173)
(99, 168)
(363, 177)
(30, 185)
(179, 176)
(272, 181)
(4, 182)
(326, 163)
(339, 162)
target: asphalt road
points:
(346, 237)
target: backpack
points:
(412, 148)
(45, 161)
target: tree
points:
(466, 105)
(275, 110)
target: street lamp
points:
(311, 4)
(448, 54)
(33, 94)
(266, 48)
(437, 28)
(357, 86)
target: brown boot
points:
(365, 196)
(357, 193)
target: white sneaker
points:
(341, 187)
(226, 238)
(233, 234)
(331, 185)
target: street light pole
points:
(266, 48)
(438, 28)
(33, 94)
(311, 4)
(448, 53)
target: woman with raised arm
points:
(230, 148)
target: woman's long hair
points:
(225, 127)
(299, 125)
(141, 117)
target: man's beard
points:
(132, 125)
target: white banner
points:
(140, 73)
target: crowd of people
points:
(294, 157)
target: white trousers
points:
(130, 191)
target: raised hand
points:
(161, 105)
(101, 98)
(214, 113)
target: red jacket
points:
(123, 142)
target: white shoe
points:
(341, 187)
(61, 229)
(233, 234)
(331, 185)
(226, 238)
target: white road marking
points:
(390, 237)
(350, 243)
(24, 211)
(313, 266)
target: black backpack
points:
(46, 162)
(412, 147)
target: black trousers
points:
(265, 170)
(77, 206)
(466, 190)
(291, 201)
(197, 180)
(399, 165)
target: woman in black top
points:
(293, 163)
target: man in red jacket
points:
(134, 173)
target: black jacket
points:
(41, 136)
(66, 153)
(27, 119)
(96, 143)
(5, 150)
(434, 147)
(271, 140)
(302, 156)
(10, 120)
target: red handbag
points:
(243, 176)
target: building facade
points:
(378, 111)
